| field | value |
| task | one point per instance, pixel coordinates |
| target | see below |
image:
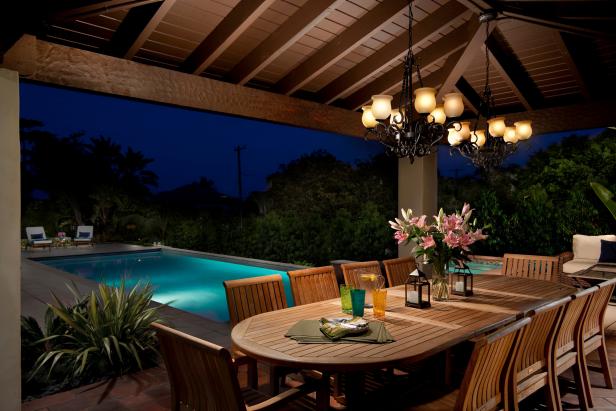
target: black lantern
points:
(414, 290)
(461, 280)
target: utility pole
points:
(238, 151)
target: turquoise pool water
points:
(479, 267)
(189, 283)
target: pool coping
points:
(272, 265)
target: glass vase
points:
(440, 282)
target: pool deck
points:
(38, 281)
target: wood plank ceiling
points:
(543, 53)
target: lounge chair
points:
(37, 238)
(83, 235)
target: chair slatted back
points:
(201, 374)
(537, 340)
(484, 379)
(572, 319)
(397, 270)
(252, 296)
(537, 267)
(313, 284)
(352, 271)
(593, 322)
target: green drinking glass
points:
(358, 299)
(345, 299)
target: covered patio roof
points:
(551, 61)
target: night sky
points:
(187, 144)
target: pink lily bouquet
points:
(448, 238)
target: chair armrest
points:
(240, 359)
(566, 256)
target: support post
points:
(10, 253)
(417, 189)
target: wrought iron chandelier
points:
(487, 151)
(397, 129)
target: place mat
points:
(309, 332)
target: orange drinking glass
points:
(379, 300)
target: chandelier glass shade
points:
(417, 123)
(488, 141)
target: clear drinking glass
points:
(379, 299)
(345, 299)
(358, 299)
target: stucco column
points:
(10, 249)
(417, 188)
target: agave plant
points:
(606, 196)
(105, 332)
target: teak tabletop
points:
(419, 333)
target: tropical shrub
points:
(102, 334)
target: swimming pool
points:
(479, 267)
(187, 282)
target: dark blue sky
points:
(187, 144)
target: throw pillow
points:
(36, 236)
(608, 252)
(83, 235)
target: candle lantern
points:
(461, 280)
(414, 290)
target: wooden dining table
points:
(418, 333)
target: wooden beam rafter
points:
(343, 44)
(147, 29)
(46, 62)
(226, 32)
(513, 72)
(475, 37)
(301, 22)
(136, 27)
(573, 68)
(71, 10)
(391, 52)
(587, 63)
(472, 99)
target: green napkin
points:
(309, 332)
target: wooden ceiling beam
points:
(573, 69)
(46, 62)
(301, 22)
(585, 58)
(226, 32)
(136, 27)
(547, 18)
(344, 43)
(443, 47)
(148, 28)
(391, 52)
(513, 72)
(471, 97)
(474, 37)
(71, 10)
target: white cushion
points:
(577, 264)
(589, 246)
(41, 241)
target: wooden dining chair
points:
(537, 267)
(251, 296)
(397, 270)
(203, 376)
(352, 271)
(592, 335)
(567, 347)
(484, 380)
(311, 285)
(529, 372)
